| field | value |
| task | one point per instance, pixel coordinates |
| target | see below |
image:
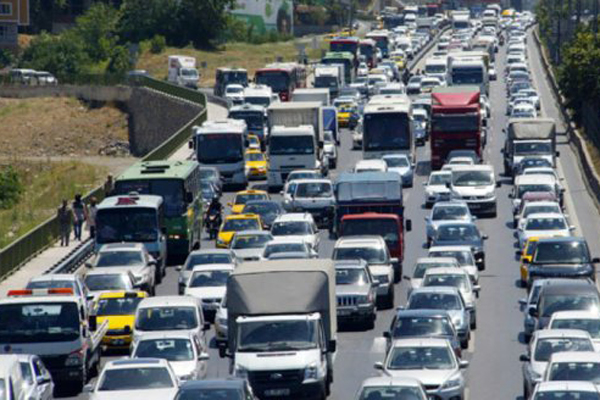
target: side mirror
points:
(595, 260)
(425, 183)
(89, 388)
(522, 302)
(524, 358)
(518, 253)
(189, 197)
(332, 346)
(203, 357)
(558, 154)
(510, 195)
(191, 144)
(387, 335)
(447, 185)
(533, 312)
(127, 329)
(476, 288)
(484, 237)
(223, 351)
(93, 323)
(42, 380)
(408, 225)
(88, 264)
(378, 365)
(572, 228)
(179, 268)
(462, 364)
(152, 263)
(498, 184)
(394, 260)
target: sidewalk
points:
(46, 259)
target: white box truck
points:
(282, 327)
(183, 72)
(321, 95)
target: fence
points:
(38, 239)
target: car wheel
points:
(464, 343)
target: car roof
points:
(563, 239)
(121, 294)
(108, 271)
(252, 232)
(446, 271)
(546, 215)
(286, 240)
(122, 247)
(422, 313)
(575, 356)
(571, 288)
(167, 335)
(435, 260)
(450, 203)
(450, 248)
(136, 362)
(54, 278)
(312, 180)
(421, 342)
(227, 383)
(168, 301)
(534, 179)
(213, 267)
(288, 217)
(575, 315)
(360, 241)
(6, 364)
(560, 333)
(358, 263)
(392, 381)
(580, 386)
(476, 167)
(436, 289)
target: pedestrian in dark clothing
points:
(79, 215)
(91, 217)
(109, 186)
(65, 218)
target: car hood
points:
(538, 367)
(343, 290)
(117, 321)
(243, 254)
(473, 190)
(147, 394)
(276, 361)
(436, 189)
(400, 170)
(559, 270)
(216, 292)
(476, 245)
(182, 368)
(427, 377)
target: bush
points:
(158, 44)
(120, 61)
(6, 58)
(11, 188)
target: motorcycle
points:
(212, 222)
(501, 41)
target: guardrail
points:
(42, 236)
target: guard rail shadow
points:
(41, 237)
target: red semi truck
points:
(456, 122)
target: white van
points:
(12, 383)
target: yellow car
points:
(237, 223)
(241, 198)
(345, 110)
(399, 60)
(119, 309)
(253, 142)
(527, 255)
(256, 165)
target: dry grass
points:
(57, 126)
(242, 55)
(45, 185)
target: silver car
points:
(356, 293)
(38, 382)
(423, 264)
(431, 361)
(314, 196)
(401, 164)
(446, 211)
(249, 245)
(205, 256)
(382, 387)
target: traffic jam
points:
(281, 245)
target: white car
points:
(135, 379)
(297, 225)
(533, 95)
(221, 323)
(536, 207)
(249, 245)
(37, 377)
(542, 225)
(207, 283)
(446, 211)
(558, 390)
(431, 361)
(476, 185)
(182, 350)
(114, 279)
(202, 257)
(357, 137)
(234, 93)
(463, 255)
(532, 183)
(573, 366)
(363, 69)
(401, 164)
(424, 264)
(382, 387)
(523, 111)
(436, 187)
(430, 82)
(460, 161)
(543, 344)
(584, 320)
(371, 166)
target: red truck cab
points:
(455, 122)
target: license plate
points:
(343, 313)
(118, 342)
(475, 206)
(277, 392)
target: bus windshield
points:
(386, 132)
(39, 322)
(171, 190)
(127, 225)
(279, 81)
(220, 148)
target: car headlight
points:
(312, 372)
(458, 321)
(240, 372)
(220, 241)
(490, 195)
(455, 381)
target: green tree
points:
(97, 28)
(143, 19)
(11, 187)
(120, 61)
(202, 21)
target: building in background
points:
(267, 15)
(13, 13)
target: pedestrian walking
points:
(65, 219)
(91, 217)
(109, 186)
(79, 216)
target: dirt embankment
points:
(60, 126)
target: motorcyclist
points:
(214, 207)
(214, 210)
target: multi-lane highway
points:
(495, 370)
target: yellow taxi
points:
(119, 309)
(527, 255)
(253, 142)
(256, 165)
(400, 60)
(330, 36)
(241, 198)
(345, 110)
(236, 223)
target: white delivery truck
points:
(183, 72)
(295, 140)
(330, 77)
(282, 327)
(321, 95)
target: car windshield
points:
(275, 248)
(200, 259)
(39, 322)
(450, 213)
(459, 281)
(396, 162)
(118, 306)
(422, 326)
(533, 187)
(569, 394)
(548, 346)
(246, 197)
(406, 358)
(207, 393)
(472, 178)
(138, 378)
(575, 371)
(207, 174)
(240, 224)
(169, 349)
(464, 257)
(107, 282)
(288, 228)
(434, 301)
(372, 255)
(592, 326)
(278, 335)
(397, 392)
(568, 302)
(166, 318)
(213, 278)
(421, 268)
(351, 276)
(119, 259)
(452, 233)
(545, 224)
(313, 189)
(440, 179)
(262, 208)
(562, 252)
(386, 132)
(533, 163)
(539, 209)
(250, 241)
(255, 157)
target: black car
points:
(561, 257)
(458, 233)
(230, 389)
(268, 210)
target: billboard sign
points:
(266, 15)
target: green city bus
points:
(178, 182)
